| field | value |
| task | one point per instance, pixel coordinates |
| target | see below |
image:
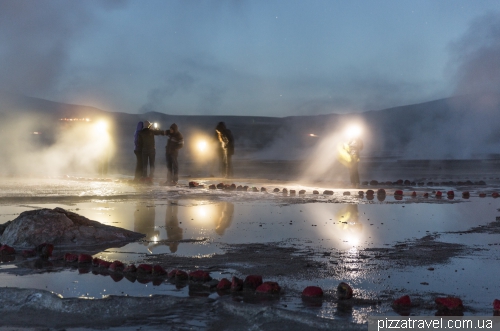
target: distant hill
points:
(457, 127)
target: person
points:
(146, 143)
(354, 147)
(138, 152)
(218, 157)
(174, 143)
(227, 142)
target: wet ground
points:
(383, 247)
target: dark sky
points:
(270, 58)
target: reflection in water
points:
(226, 211)
(174, 231)
(144, 221)
(348, 220)
(217, 216)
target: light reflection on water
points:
(196, 228)
(187, 227)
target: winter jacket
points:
(146, 139)
(175, 140)
(138, 130)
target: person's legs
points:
(152, 157)
(138, 165)
(175, 169)
(354, 173)
(145, 158)
(169, 168)
(225, 168)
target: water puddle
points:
(201, 228)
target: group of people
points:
(145, 151)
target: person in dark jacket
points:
(146, 143)
(227, 143)
(174, 143)
(138, 152)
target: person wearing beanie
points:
(174, 143)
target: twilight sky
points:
(248, 57)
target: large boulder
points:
(63, 228)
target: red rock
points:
(236, 284)
(7, 250)
(399, 182)
(252, 281)
(302, 192)
(130, 268)
(193, 184)
(346, 193)
(96, 261)
(232, 187)
(439, 194)
(425, 195)
(116, 266)
(276, 190)
(224, 284)
(68, 257)
(84, 258)
(158, 270)
(496, 305)
(212, 187)
(263, 189)
(171, 274)
(104, 264)
(44, 250)
(29, 253)
(495, 194)
(315, 192)
(414, 194)
(449, 303)
(370, 192)
(398, 192)
(344, 291)
(220, 186)
(404, 301)
(145, 269)
(200, 276)
(268, 288)
(181, 275)
(312, 292)
(482, 195)
(328, 192)
(465, 194)
(450, 194)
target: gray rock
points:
(63, 228)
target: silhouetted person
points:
(174, 143)
(226, 217)
(218, 157)
(138, 152)
(354, 147)
(147, 145)
(227, 143)
(174, 231)
(144, 220)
